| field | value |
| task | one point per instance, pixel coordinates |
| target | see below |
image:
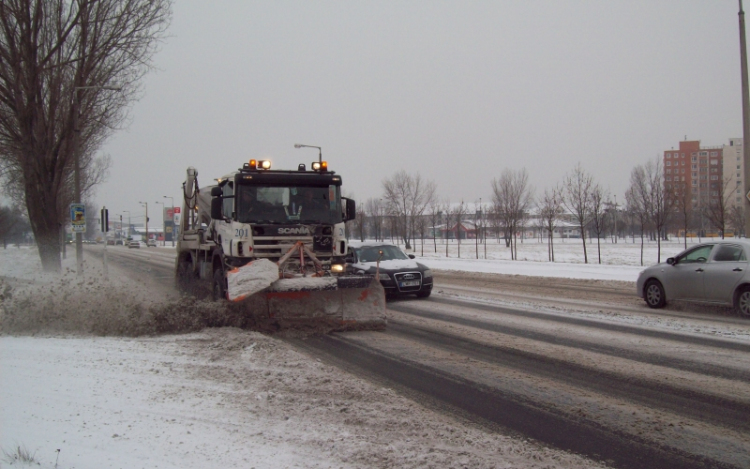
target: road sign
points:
(78, 218)
(104, 219)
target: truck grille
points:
(274, 248)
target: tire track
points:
(580, 434)
(590, 346)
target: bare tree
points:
(457, 214)
(435, 214)
(361, 221)
(718, 207)
(659, 206)
(59, 63)
(577, 199)
(682, 203)
(638, 199)
(407, 196)
(511, 195)
(11, 220)
(421, 226)
(446, 209)
(737, 219)
(550, 210)
(376, 210)
(598, 215)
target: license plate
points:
(410, 283)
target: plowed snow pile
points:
(211, 398)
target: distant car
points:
(119, 242)
(134, 244)
(399, 274)
(151, 243)
(713, 272)
(110, 242)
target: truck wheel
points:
(185, 278)
(219, 291)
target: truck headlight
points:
(427, 274)
(337, 268)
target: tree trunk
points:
(583, 239)
(44, 223)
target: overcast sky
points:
(453, 90)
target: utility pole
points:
(745, 119)
(145, 204)
(615, 218)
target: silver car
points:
(713, 272)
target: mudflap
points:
(352, 304)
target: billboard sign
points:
(78, 218)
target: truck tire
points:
(184, 276)
(219, 290)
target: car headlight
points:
(337, 268)
(427, 273)
(384, 277)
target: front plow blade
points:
(350, 303)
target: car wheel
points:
(654, 294)
(219, 291)
(424, 294)
(742, 303)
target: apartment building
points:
(695, 172)
(734, 170)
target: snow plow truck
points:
(274, 241)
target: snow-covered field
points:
(620, 261)
(228, 397)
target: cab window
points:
(227, 204)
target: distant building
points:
(695, 172)
(734, 170)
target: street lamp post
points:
(145, 204)
(320, 151)
(162, 219)
(77, 162)
(128, 212)
(174, 225)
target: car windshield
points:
(288, 204)
(371, 253)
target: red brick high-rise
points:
(695, 169)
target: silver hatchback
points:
(712, 272)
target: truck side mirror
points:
(216, 208)
(216, 191)
(351, 209)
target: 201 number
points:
(241, 233)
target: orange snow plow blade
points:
(296, 300)
(345, 305)
(343, 308)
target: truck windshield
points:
(288, 204)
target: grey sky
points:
(454, 90)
